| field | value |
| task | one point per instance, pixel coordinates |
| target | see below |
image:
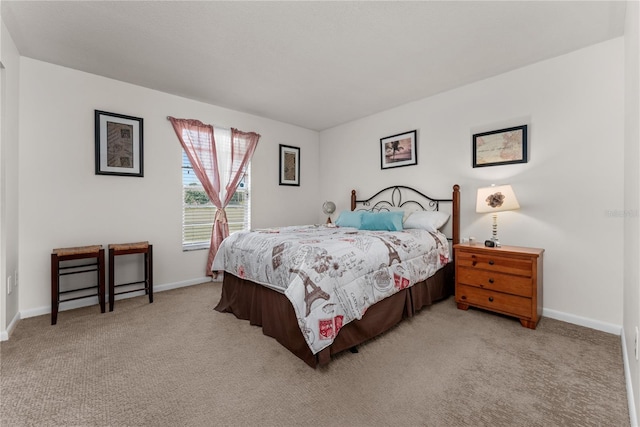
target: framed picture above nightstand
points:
(506, 279)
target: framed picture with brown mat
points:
(118, 144)
(289, 165)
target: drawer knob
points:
(474, 261)
(490, 280)
(490, 299)
(490, 262)
(463, 297)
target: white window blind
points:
(198, 212)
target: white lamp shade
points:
(496, 198)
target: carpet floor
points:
(177, 362)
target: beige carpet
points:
(177, 362)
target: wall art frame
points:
(399, 150)
(289, 165)
(119, 144)
(500, 147)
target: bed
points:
(323, 289)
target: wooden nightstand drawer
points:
(495, 301)
(503, 264)
(515, 285)
(505, 279)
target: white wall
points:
(9, 96)
(63, 203)
(632, 198)
(574, 105)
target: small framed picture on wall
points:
(399, 150)
(118, 144)
(500, 147)
(289, 165)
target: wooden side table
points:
(506, 280)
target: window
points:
(198, 212)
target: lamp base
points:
(494, 236)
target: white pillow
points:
(427, 220)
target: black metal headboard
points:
(401, 196)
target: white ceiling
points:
(313, 64)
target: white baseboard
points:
(583, 321)
(94, 300)
(4, 335)
(176, 285)
(633, 417)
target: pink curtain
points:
(218, 178)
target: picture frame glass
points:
(399, 150)
(500, 147)
(289, 165)
(119, 149)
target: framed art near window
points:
(398, 150)
(118, 144)
(289, 165)
(500, 147)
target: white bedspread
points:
(332, 275)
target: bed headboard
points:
(401, 196)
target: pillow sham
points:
(350, 219)
(405, 213)
(387, 221)
(427, 220)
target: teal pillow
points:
(389, 221)
(350, 219)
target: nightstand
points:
(505, 280)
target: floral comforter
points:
(332, 275)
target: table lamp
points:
(495, 199)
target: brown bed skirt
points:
(272, 311)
